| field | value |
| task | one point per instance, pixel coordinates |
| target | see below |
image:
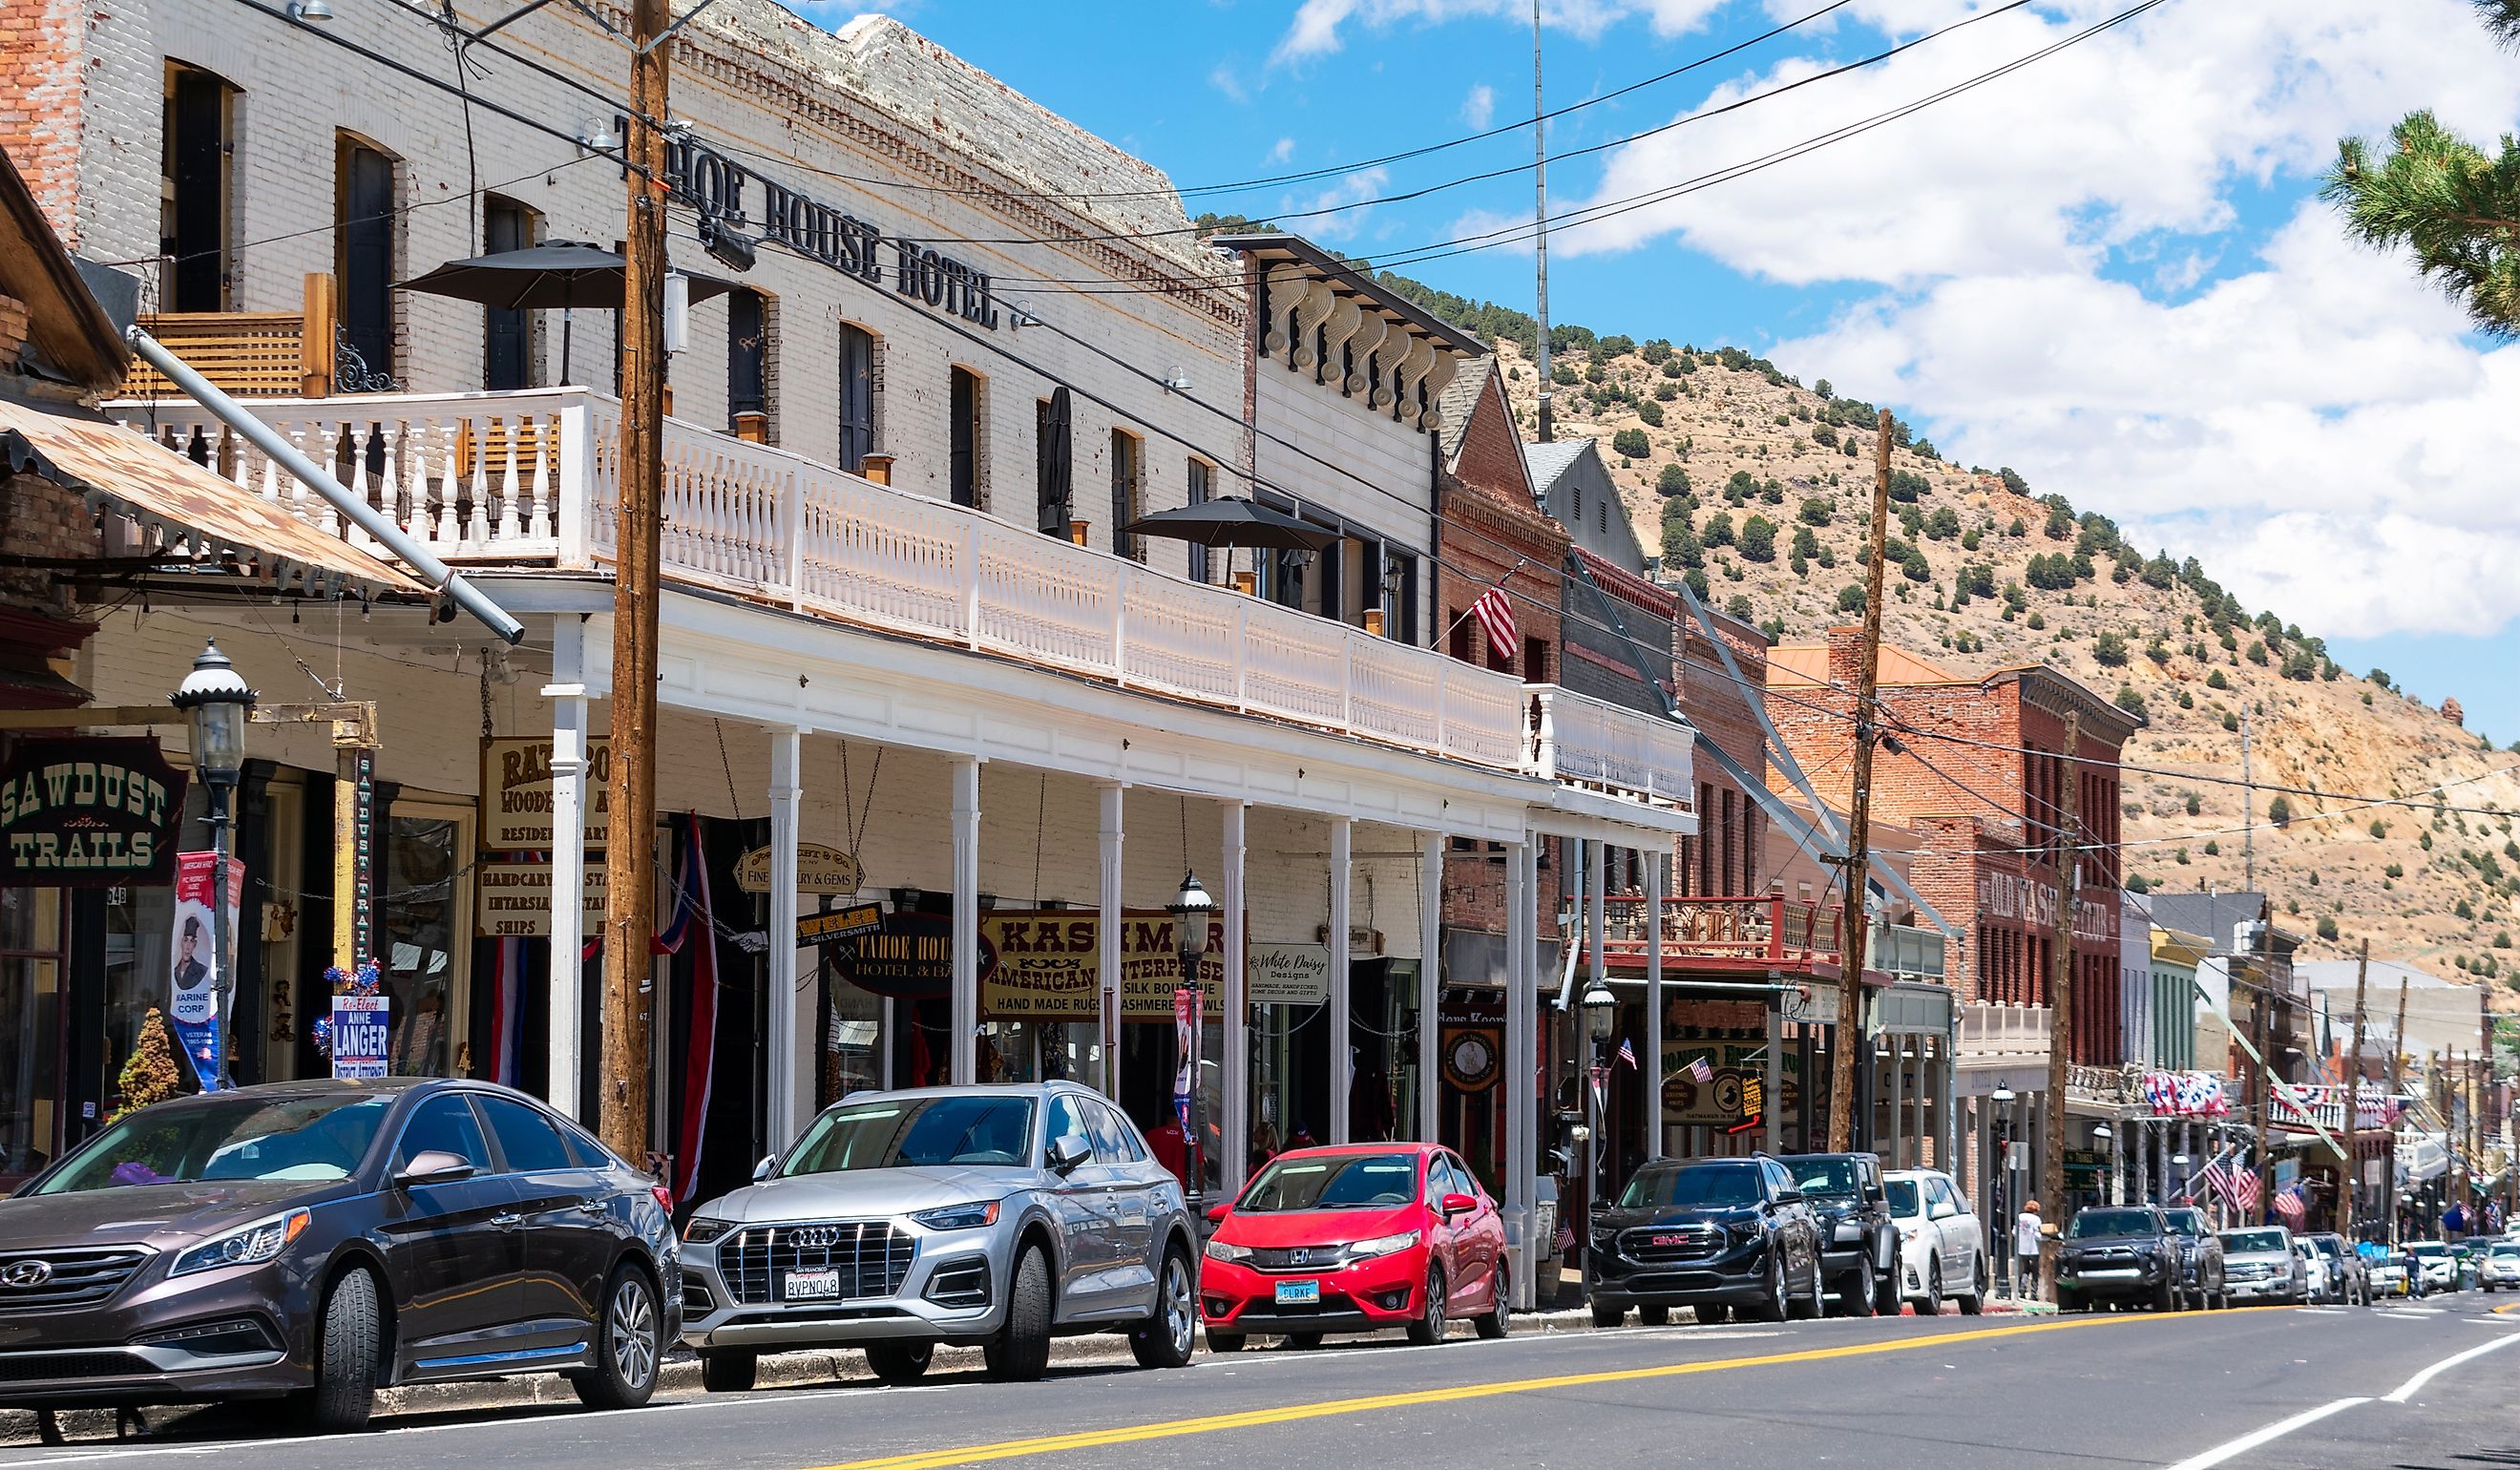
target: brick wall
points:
(1723, 712)
(43, 53)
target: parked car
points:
(2118, 1255)
(2201, 1280)
(2314, 1270)
(1942, 1247)
(1716, 1235)
(2439, 1266)
(2260, 1264)
(1356, 1238)
(2348, 1282)
(2500, 1269)
(318, 1240)
(1860, 1243)
(975, 1217)
(2392, 1276)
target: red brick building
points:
(1728, 855)
(1987, 812)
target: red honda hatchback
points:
(1356, 1238)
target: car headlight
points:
(971, 1217)
(1219, 1250)
(257, 1243)
(1381, 1245)
(701, 1229)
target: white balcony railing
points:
(2003, 1030)
(532, 477)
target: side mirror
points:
(1068, 1153)
(1459, 1204)
(1873, 1193)
(1216, 1213)
(1789, 1197)
(435, 1166)
(761, 1171)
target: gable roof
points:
(63, 321)
(1459, 400)
(1549, 462)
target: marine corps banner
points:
(1046, 965)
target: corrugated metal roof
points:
(1551, 460)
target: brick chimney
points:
(1845, 655)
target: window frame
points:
(967, 393)
(461, 1097)
(1128, 492)
(485, 1105)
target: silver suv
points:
(974, 1216)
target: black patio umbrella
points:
(1231, 520)
(560, 275)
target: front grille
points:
(54, 1367)
(871, 1255)
(960, 1284)
(1298, 1258)
(70, 1277)
(1681, 1242)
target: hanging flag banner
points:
(1047, 965)
(1185, 1047)
(193, 1002)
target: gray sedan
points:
(974, 1216)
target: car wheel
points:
(899, 1362)
(1933, 1303)
(1226, 1342)
(1303, 1342)
(628, 1345)
(1975, 1301)
(1429, 1329)
(2165, 1297)
(1855, 1293)
(1606, 1316)
(1885, 1292)
(1654, 1316)
(1020, 1351)
(347, 1347)
(1498, 1319)
(1806, 1308)
(729, 1371)
(1713, 1313)
(1164, 1340)
(1773, 1309)
(2065, 1300)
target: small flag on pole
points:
(2289, 1205)
(1699, 1072)
(1495, 611)
(1626, 1051)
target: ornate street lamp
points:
(217, 702)
(1192, 910)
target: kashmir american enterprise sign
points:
(90, 812)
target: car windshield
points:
(2103, 1223)
(1902, 1196)
(965, 1131)
(1721, 1188)
(2325, 1246)
(2188, 1223)
(1332, 1181)
(2253, 1240)
(228, 1137)
(2505, 1248)
(1833, 1178)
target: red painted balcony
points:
(1728, 935)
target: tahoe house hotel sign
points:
(90, 812)
(724, 193)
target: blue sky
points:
(2108, 270)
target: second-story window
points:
(748, 365)
(193, 215)
(507, 334)
(857, 395)
(1202, 487)
(1128, 492)
(965, 468)
(365, 256)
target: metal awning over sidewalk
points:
(185, 506)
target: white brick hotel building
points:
(870, 644)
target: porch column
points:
(1430, 986)
(2117, 1162)
(1107, 944)
(1898, 1059)
(1235, 1060)
(1773, 1077)
(1342, 1056)
(965, 818)
(1949, 1130)
(1655, 862)
(1922, 1086)
(1516, 1072)
(786, 791)
(567, 693)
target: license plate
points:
(811, 1286)
(1300, 1293)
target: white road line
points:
(2409, 1389)
(2266, 1435)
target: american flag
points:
(1495, 611)
(2288, 1204)
(1626, 1051)
(2240, 1187)
(1699, 1071)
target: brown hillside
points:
(2312, 723)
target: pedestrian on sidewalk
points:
(2025, 1253)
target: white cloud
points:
(1229, 81)
(1479, 109)
(1358, 188)
(1317, 29)
(1284, 149)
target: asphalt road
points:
(2426, 1387)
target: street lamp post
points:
(1192, 910)
(2006, 1125)
(1600, 1015)
(216, 701)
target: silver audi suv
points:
(990, 1216)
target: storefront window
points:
(30, 1027)
(422, 941)
(139, 960)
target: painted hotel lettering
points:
(717, 187)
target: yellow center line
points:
(2514, 1307)
(1006, 1449)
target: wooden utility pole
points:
(2060, 1007)
(2354, 1100)
(2397, 1081)
(630, 893)
(2263, 1100)
(1859, 824)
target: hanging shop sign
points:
(1288, 974)
(1735, 1090)
(512, 899)
(1047, 965)
(1470, 1055)
(193, 979)
(819, 870)
(516, 793)
(89, 814)
(836, 924)
(727, 193)
(909, 956)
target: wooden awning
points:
(185, 508)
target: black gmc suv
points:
(1859, 1243)
(1712, 1234)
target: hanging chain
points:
(1040, 822)
(488, 729)
(727, 766)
